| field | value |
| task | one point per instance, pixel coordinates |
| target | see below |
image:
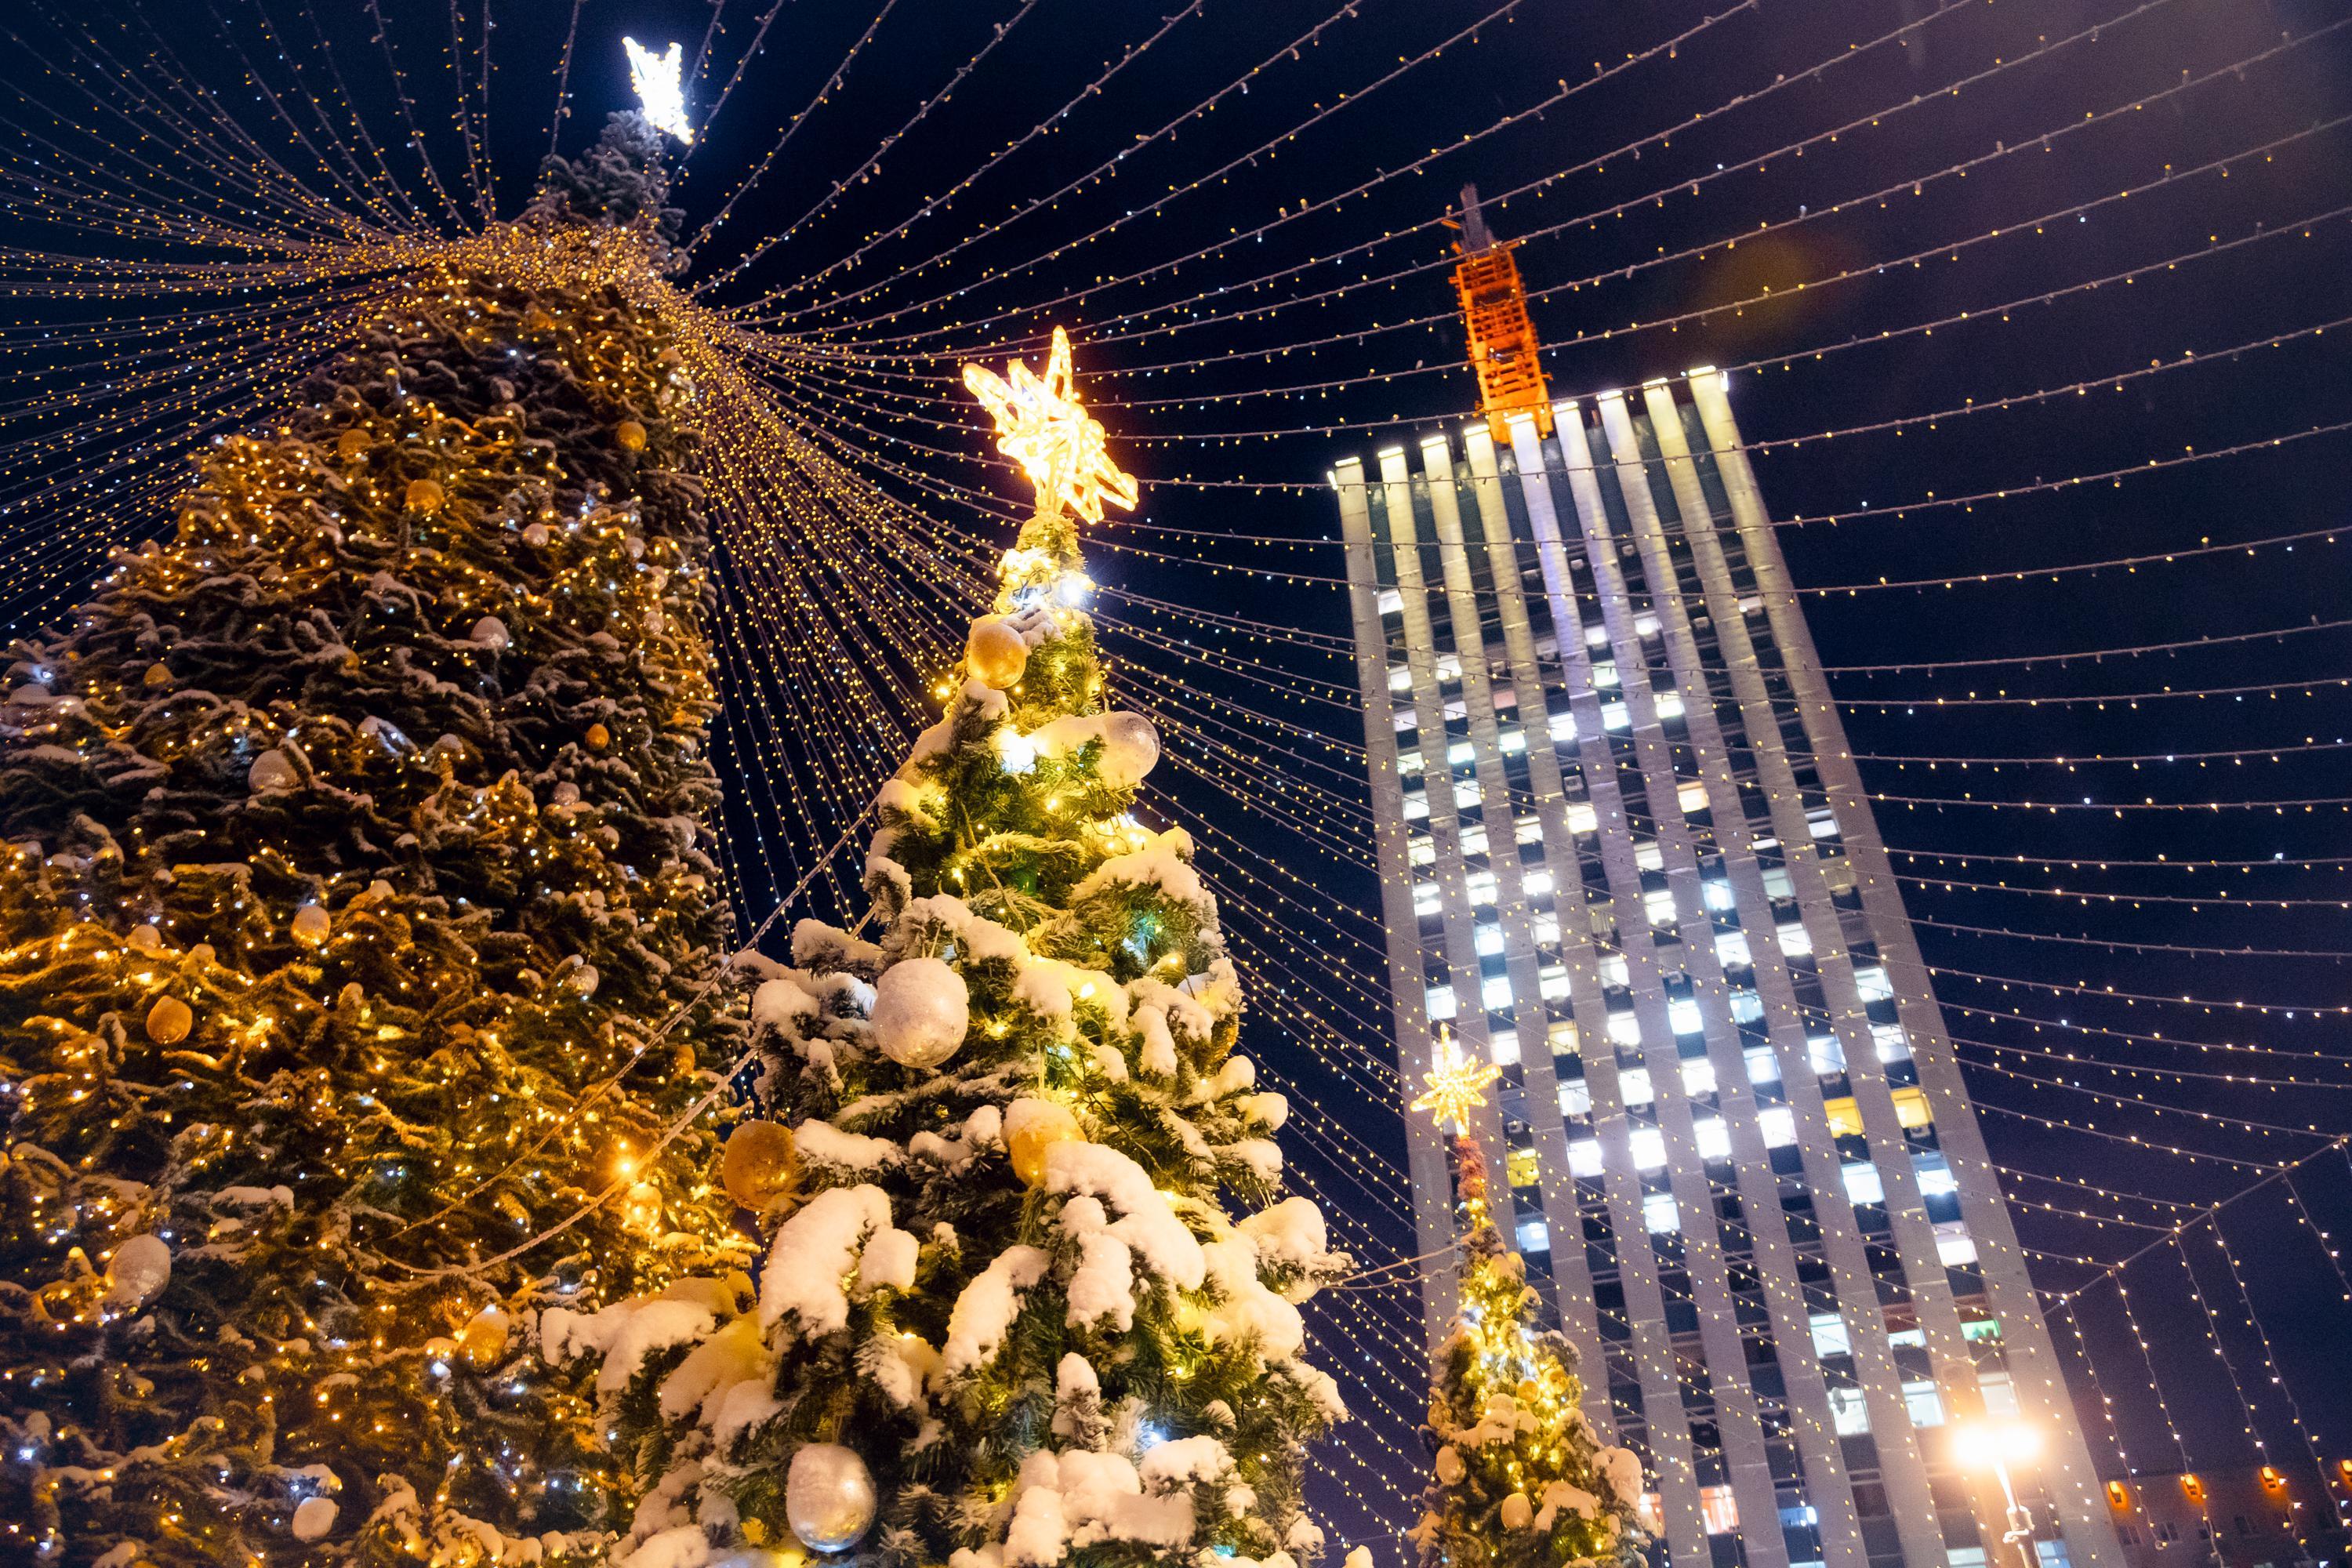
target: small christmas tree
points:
(1519, 1481)
(354, 872)
(1004, 1320)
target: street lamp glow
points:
(1989, 1444)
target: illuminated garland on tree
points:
(354, 875)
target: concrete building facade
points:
(1624, 852)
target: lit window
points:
(1731, 947)
(1538, 886)
(1926, 1407)
(1777, 884)
(1528, 829)
(1763, 1067)
(1670, 704)
(1422, 850)
(1830, 1337)
(1585, 1157)
(1563, 726)
(1581, 818)
(1575, 1097)
(1535, 1236)
(1502, 1048)
(2000, 1393)
(1563, 1038)
(1596, 637)
(1474, 839)
(1874, 984)
(1545, 927)
(1649, 857)
(1659, 1215)
(1399, 677)
(1649, 1147)
(1844, 1117)
(1440, 1002)
(1408, 763)
(1683, 1017)
(1633, 1086)
(1645, 624)
(1698, 1077)
(1515, 739)
(1605, 676)
(1719, 896)
(1937, 1181)
(1660, 906)
(1615, 716)
(1713, 1137)
(1522, 1168)
(1495, 992)
(1823, 824)
(1482, 887)
(1894, 1044)
(1487, 938)
(1691, 797)
(1848, 1412)
(1613, 969)
(1795, 940)
(1551, 981)
(1778, 1125)
(1624, 1028)
(1391, 600)
(1747, 1007)
(1404, 719)
(1826, 1054)
(1862, 1183)
(1955, 1249)
(1416, 805)
(1911, 1107)
(1718, 1509)
(1460, 752)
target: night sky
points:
(2065, 191)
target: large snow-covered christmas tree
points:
(1005, 1319)
(1520, 1480)
(353, 872)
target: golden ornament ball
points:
(599, 737)
(159, 674)
(169, 1021)
(1048, 1125)
(426, 496)
(761, 1166)
(353, 445)
(630, 434)
(483, 1340)
(995, 654)
(312, 926)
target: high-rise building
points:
(1624, 851)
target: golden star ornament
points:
(1456, 1087)
(1043, 427)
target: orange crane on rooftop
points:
(1503, 347)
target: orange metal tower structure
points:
(1503, 347)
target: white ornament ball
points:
(146, 939)
(584, 980)
(995, 653)
(1449, 1465)
(1517, 1511)
(922, 1008)
(828, 1496)
(137, 1272)
(313, 1517)
(1130, 748)
(490, 632)
(273, 770)
(311, 925)
(537, 536)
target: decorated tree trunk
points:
(1005, 1319)
(1519, 1481)
(359, 930)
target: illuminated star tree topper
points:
(1456, 1087)
(660, 87)
(1041, 427)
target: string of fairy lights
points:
(171, 309)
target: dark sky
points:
(2234, 231)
